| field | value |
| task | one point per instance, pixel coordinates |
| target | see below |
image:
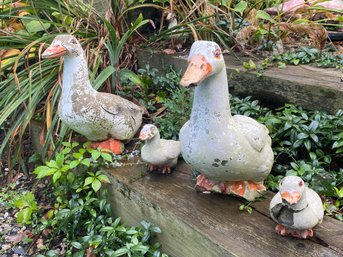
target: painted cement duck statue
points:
(160, 154)
(296, 208)
(232, 153)
(95, 115)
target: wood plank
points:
(196, 224)
(307, 86)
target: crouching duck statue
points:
(233, 154)
(296, 208)
(97, 116)
(160, 154)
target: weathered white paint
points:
(308, 211)
(221, 146)
(156, 151)
(97, 116)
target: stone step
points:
(208, 225)
(304, 85)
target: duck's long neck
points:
(211, 99)
(153, 142)
(75, 74)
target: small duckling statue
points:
(296, 208)
(160, 154)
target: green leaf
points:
(44, 171)
(107, 229)
(76, 245)
(74, 163)
(65, 168)
(297, 143)
(60, 159)
(260, 14)
(105, 74)
(131, 232)
(314, 138)
(337, 144)
(294, 165)
(156, 229)
(86, 162)
(52, 164)
(34, 158)
(104, 179)
(240, 7)
(314, 125)
(24, 215)
(70, 178)
(281, 65)
(302, 136)
(121, 252)
(66, 144)
(140, 248)
(339, 192)
(106, 156)
(21, 203)
(78, 155)
(89, 180)
(66, 150)
(308, 145)
(36, 26)
(116, 222)
(130, 75)
(92, 212)
(95, 154)
(96, 185)
(56, 176)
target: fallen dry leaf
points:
(6, 247)
(46, 232)
(40, 243)
(89, 252)
(16, 238)
(169, 51)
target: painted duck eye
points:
(301, 183)
(217, 53)
(73, 41)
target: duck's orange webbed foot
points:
(162, 169)
(302, 234)
(152, 167)
(111, 144)
(247, 189)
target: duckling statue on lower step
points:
(160, 154)
(296, 208)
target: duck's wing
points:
(282, 214)
(114, 104)
(315, 203)
(274, 206)
(171, 148)
(256, 133)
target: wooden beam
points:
(304, 85)
(208, 225)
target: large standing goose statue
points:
(95, 115)
(233, 154)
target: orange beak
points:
(143, 136)
(198, 69)
(291, 197)
(54, 51)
